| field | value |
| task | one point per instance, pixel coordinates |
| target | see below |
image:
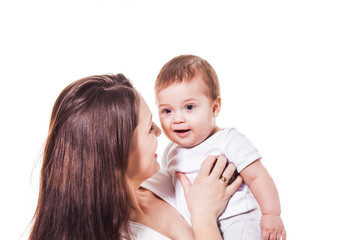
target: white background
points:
(289, 73)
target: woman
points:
(100, 149)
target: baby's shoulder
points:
(233, 138)
(169, 151)
(231, 134)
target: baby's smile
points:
(182, 132)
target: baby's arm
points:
(264, 190)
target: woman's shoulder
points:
(142, 232)
(161, 185)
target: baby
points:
(188, 99)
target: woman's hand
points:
(208, 195)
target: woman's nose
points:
(157, 130)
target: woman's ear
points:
(216, 106)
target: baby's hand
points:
(272, 228)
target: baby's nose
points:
(178, 118)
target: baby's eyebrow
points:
(190, 99)
(163, 105)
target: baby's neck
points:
(215, 130)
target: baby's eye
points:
(166, 111)
(189, 107)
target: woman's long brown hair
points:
(83, 192)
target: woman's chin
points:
(156, 167)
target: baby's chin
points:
(186, 145)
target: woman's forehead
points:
(144, 112)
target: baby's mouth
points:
(182, 131)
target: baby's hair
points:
(185, 68)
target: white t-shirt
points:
(234, 145)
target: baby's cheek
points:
(164, 127)
(167, 132)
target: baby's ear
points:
(216, 106)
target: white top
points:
(160, 185)
(142, 232)
(236, 147)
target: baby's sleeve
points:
(239, 150)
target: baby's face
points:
(186, 114)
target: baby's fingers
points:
(265, 235)
(283, 234)
(273, 236)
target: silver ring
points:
(224, 179)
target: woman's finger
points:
(228, 173)
(219, 167)
(184, 180)
(231, 189)
(206, 166)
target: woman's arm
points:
(208, 196)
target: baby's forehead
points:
(195, 82)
